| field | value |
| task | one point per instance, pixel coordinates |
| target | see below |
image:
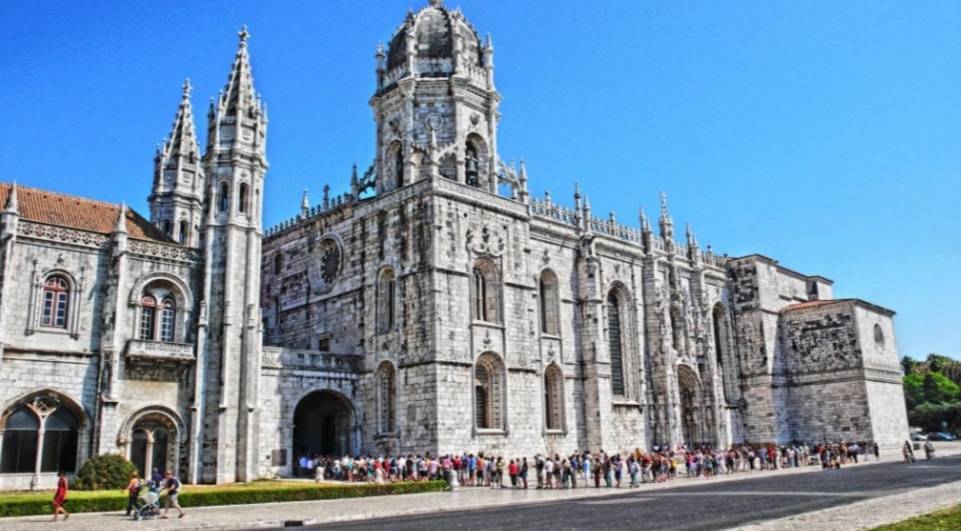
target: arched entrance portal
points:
(322, 425)
(688, 389)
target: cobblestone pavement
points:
(667, 505)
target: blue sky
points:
(824, 134)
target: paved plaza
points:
(856, 497)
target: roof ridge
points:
(21, 188)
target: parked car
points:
(918, 436)
(941, 436)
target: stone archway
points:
(323, 425)
(152, 438)
(689, 391)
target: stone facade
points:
(435, 307)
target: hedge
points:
(106, 501)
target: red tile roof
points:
(79, 213)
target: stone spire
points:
(238, 102)
(645, 224)
(178, 185)
(182, 141)
(667, 224)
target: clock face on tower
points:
(325, 265)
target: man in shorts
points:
(172, 486)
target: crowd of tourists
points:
(581, 469)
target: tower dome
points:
(435, 41)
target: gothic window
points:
(399, 167)
(183, 232)
(549, 303)
(615, 342)
(168, 313)
(489, 392)
(224, 198)
(158, 313)
(20, 442)
(56, 302)
(720, 333)
(148, 316)
(485, 292)
(386, 303)
(278, 262)
(59, 450)
(242, 198)
(472, 165)
(554, 397)
(386, 399)
(41, 429)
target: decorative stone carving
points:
(487, 241)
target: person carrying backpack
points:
(133, 494)
(172, 486)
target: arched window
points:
(60, 441)
(472, 165)
(399, 167)
(242, 198)
(386, 300)
(720, 333)
(165, 227)
(20, 442)
(56, 444)
(386, 405)
(485, 293)
(158, 307)
(554, 397)
(489, 392)
(278, 263)
(224, 198)
(168, 314)
(549, 303)
(183, 233)
(615, 343)
(56, 302)
(148, 317)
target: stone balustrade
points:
(161, 350)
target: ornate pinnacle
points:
(305, 203)
(436, 3)
(244, 35)
(187, 88)
(122, 220)
(13, 206)
(664, 212)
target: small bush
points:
(107, 471)
(116, 500)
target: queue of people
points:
(611, 470)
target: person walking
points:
(60, 497)
(134, 485)
(172, 485)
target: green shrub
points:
(116, 500)
(107, 471)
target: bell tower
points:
(436, 107)
(235, 164)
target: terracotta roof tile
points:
(79, 213)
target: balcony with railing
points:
(161, 351)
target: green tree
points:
(908, 364)
(937, 362)
(939, 389)
(913, 390)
